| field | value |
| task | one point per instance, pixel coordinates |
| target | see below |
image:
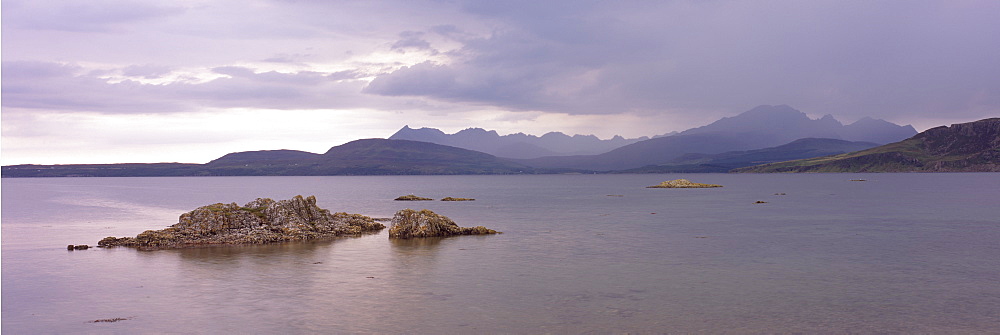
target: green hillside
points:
(965, 147)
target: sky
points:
(113, 81)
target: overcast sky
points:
(106, 81)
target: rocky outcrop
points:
(258, 222)
(682, 183)
(410, 223)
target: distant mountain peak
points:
(772, 125)
(517, 145)
(772, 111)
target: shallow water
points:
(898, 253)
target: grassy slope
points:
(936, 150)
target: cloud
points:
(673, 63)
(853, 58)
(82, 16)
(146, 71)
(412, 40)
(69, 87)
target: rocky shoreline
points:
(257, 222)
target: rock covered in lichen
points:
(260, 221)
(410, 223)
(682, 183)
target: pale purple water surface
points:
(897, 253)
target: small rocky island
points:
(411, 197)
(258, 222)
(410, 223)
(682, 183)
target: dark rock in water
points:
(412, 197)
(458, 199)
(409, 223)
(111, 320)
(258, 222)
(77, 247)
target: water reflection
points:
(311, 285)
(415, 243)
(415, 257)
(219, 255)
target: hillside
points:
(367, 157)
(381, 156)
(102, 170)
(724, 162)
(964, 147)
(650, 152)
(360, 157)
(271, 156)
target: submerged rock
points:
(409, 223)
(412, 197)
(258, 222)
(682, 183)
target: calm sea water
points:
(898, 253)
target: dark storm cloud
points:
(854, 58)
(848, 58)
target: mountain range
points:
(767, 126)
(766, 134)
(761, 127)
(517, 145)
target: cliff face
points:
(962, 139)
(258, 222)
(965, 147)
